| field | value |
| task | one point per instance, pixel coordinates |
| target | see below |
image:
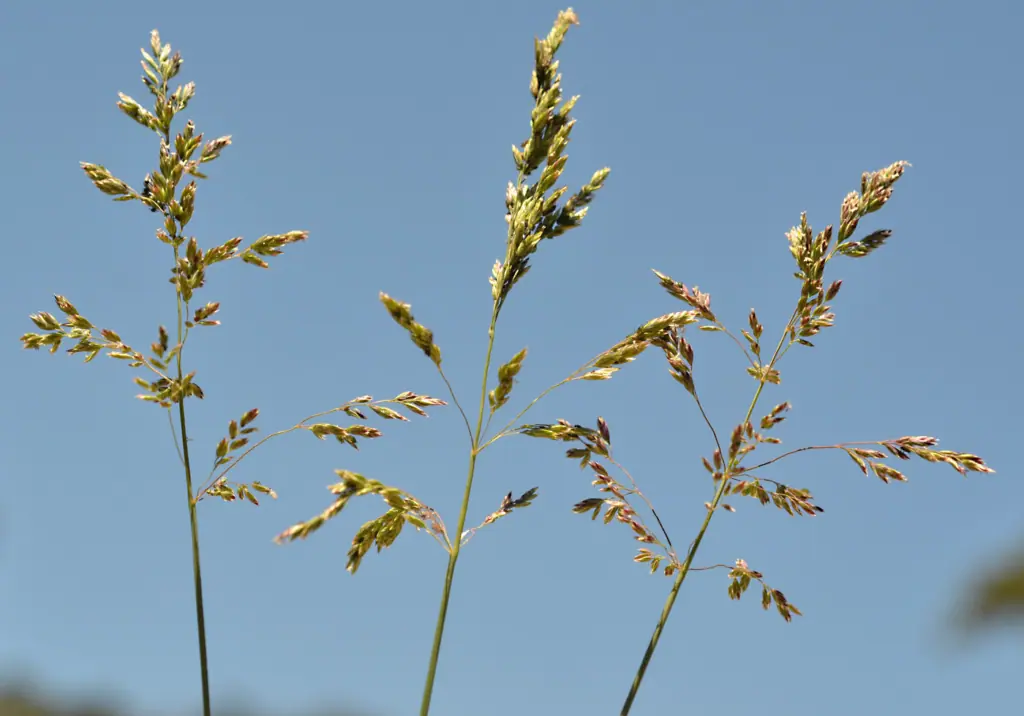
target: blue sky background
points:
(384, 129)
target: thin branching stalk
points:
(534, 214)
(811, 316)
(197, 572)
(694, 546)
(193, 518)
(453, 555)
(164, 193)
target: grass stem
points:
(453, 555)
(197, 572)
(684, 570)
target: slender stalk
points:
(215, 476)
(692, 552)
(197, 572)
(650, 505)
(575, 374)
(453, 555)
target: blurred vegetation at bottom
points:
(25, 701)
(996, 598)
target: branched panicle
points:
(270, 245)
(382, 531)
(616, 505)
(753, 336)
(564, 431)
(165, 391)
(227, 457)
(701, 302)
(77, 327)
(534, 214)
(627, 350)
(549, 129)
(742, 575)
(921, 445)
(177, 157)
(726, 465)
(812, 252)
(811, 255)
(237, 437)
(346, 436)
(678, 351)
(793, 501)
(743, 440)
(902, 448)
(240, 491)
(403, 508)
(166, 191)
(679, 354)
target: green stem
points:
(692, 552)
(669, 603)
(197, 572)
(453, 556)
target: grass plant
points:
(160, 372)
(538, 209)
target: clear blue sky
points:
(384, 129)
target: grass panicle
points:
(730, 475)
(537, 209)
(160, 369)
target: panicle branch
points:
(534, 211)
(237, 438)
(380, 532)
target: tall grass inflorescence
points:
(537, 209)
(730, 474)
(163, 378)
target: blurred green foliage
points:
(996, 597)
(24, 701)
